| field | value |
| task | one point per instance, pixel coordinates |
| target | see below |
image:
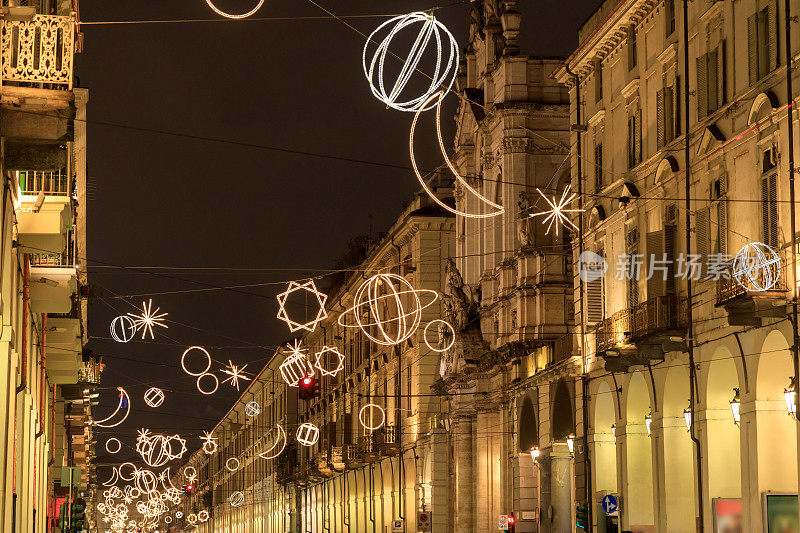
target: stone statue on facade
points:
(525, 227)
(458, 299)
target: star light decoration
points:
(148, 319)
(311, 288)
(209, 443)
(556, 215)
(235, 374)
(330, 361)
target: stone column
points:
(556, 513)
(463, 439)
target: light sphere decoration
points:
(179, 515)
(222, 13)
(311, 288)
(369, 420)
(381, 313)
(202, 515)
(154, 397)
(156, 449)
(123, 328)
(445, 330)
(756, 267)
(232, 464)
(295, 367)
(307, 434)
(330, 361)
(252, 409)
(190, 473)
(433, 40)
(236, 499)
(114, 442)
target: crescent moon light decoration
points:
(232, 16)
(124, 403)
(114, 478)
(279, 445)
(497, 209)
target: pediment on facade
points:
(712, 136)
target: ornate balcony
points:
(641, 333)
(38, 52)
(352, 456)
(388, 440)
(367, 448)
(749, 308)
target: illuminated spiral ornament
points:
(433, 39)
(123, 328)
(218, 11)
(756, 267)
(387, 309)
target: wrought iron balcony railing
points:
(38, 52)
(654, 315)
(729, 288)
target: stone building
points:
(46, 376)
(628, 84)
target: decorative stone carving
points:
(458, 299)
(525, 225)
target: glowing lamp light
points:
(687, 416)
(511, 520)
(614, 432)
(571, 443)
(790, 395)
(535, 454)
(307, 381)
(648, 422)
(736, 404)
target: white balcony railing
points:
(50, 182)
(39, 51)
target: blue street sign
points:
(609, 503)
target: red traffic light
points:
(308, 388)
(511, 519)
(307, 380)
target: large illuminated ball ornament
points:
(387, 309)
(252, 409)
(236, 499)
(307, 434)
(433, 41)
(756, 267)
(123, 329)
(154, 397)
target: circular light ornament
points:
(756, 267)
(252, 409)
(168, 520)
(123, 328)
(236, 499)
(154, 397)
(192, 518)
(433, 39)
(441, 326)
(204, 352)
(232, 464)
(202, 515)
(190, 473)
(209, 443)
(134, 471)
(207, 392)
(218, 11)
(368, 419)
(112, 441)
(387, 309)
(307, 434)
(179, 515)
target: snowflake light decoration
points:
(235, 374)
(330, 361)
(556, 214)
(209, 443)
(311, 288)
(148, 319)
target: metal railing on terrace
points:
(654, 315)
(728, 288)
(50, 182)
(38, 52)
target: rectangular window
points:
(631, 47)
(762, 42)
(668, 114)
(598, 166)
(635, 138)
(710, 81)
(669, 17)
(769, 199)
(598, 80)
(595, 308)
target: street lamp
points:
(687, 416)
(535, 454)
(571, 443)
(790, 394)
(648, 420)
(614, 431)
(736, 404)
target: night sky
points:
(224, 214)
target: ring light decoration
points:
(310, 288)
(112, 440)
(122, 328)
(133, 473)
(277, 447)
(124, 403)
(440, 325)
(191, 518)
(209, 443)
(202, 515)
(307, 434)
(183, 360)
(295, 367)
(756, 267)
(496, 209)
(179, 515)
(190, 473)
(232, 464)
(216, 384)
(371, 408)
(235, 374)
(236, 499)
(432, 33)
(556, 214)
(154, 397)
(330, 361)
(149, 318)
(218, 11)
(156, 449)
(252, 409)
(379, 311)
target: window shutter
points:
(670, 229)
(701, 235)
(676, 108)
(670, 96)
(712, 79)
(752, 47)
(721, 74)
(598, 80)
(669, 17)
(660, 133)
(655, 250)
(772, 33)
(598, 166)
(769, 210)
(631, 46)
(722, 225)
(595, 298)
(637, 147)
(702, 87)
